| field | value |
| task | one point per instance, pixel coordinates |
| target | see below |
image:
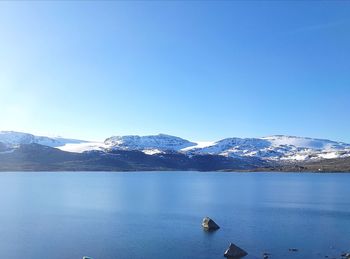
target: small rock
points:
(209, 224)
(293, 250)
(86, 257)
(234, 252)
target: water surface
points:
(158, 215)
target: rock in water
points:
(234, 252)
(209, 224)
(86, 257)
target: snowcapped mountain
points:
(151, 144)
(271, 148)
(302, 142)
(275, 148)
(12, 139)
(230, 146)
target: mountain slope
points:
(303, 142)
(275, 148)
(160, 142)
(278, 149)
(35, 157)
(13, 138)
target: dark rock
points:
(209, 224)
(293, 250)
(87, 257)
(234, 252)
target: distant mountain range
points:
(23, 151)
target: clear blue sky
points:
(199, 70)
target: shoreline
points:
(175, 171)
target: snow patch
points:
(152, 151)
(199, 144)
(83, 147)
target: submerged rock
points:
(209, 224)
(87, 257)
(234, 252)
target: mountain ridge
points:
(280, 148)
(12, 138)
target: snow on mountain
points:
(310, 143)
(234, 147)
(278, 147)
(83, 147)
(13, 139)
(198, 145)
(150, 145)
(160, 142)
(152, 151)
(275, 148)
(271, 148)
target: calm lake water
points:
(158, 215)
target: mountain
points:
(35, 157)
(152, 144)
(3, 147)
(275, 148)
(160, 142)
(272, 148)
(21, 151)
(13, 139)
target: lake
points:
(158, 215)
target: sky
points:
(201, 70)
